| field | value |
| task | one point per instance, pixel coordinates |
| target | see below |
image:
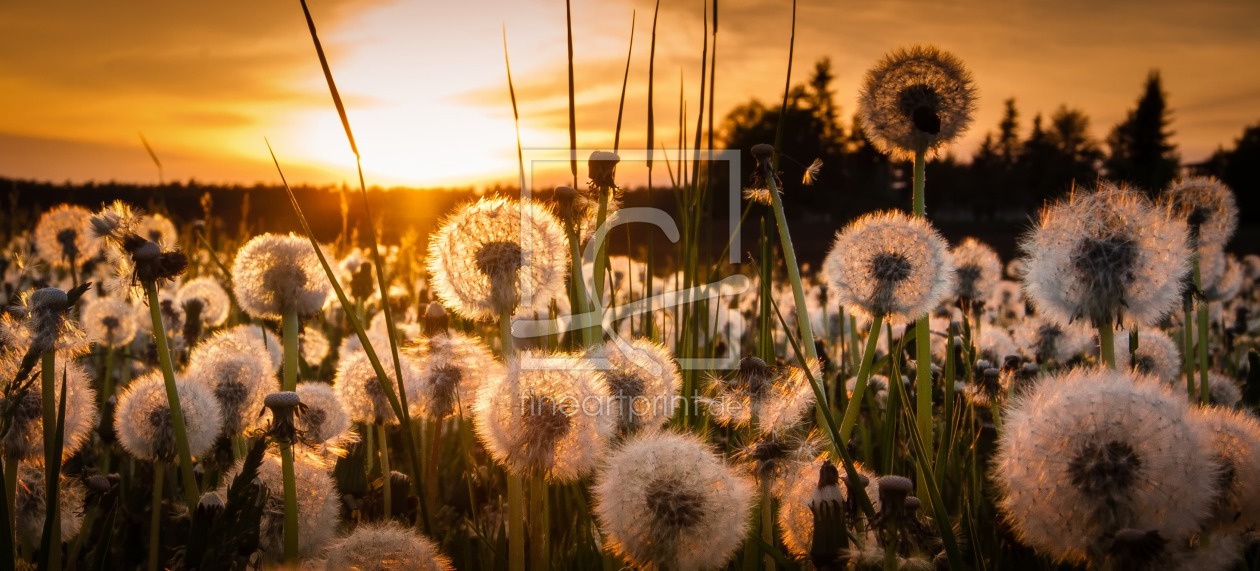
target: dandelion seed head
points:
(65, 232)
(212, 297)
(1236, 444)
(1207, 206)
(643, 380)
(979, 270)
(276, 273)
(386, 546)
(109, 321)
(890, 264)
(238, 378)
(1047, 341)
(325, 423)
(142, 419)
(452, 368)
(313, 345)
(31, 505)
(918, 98)
(495, 254)
(25, 439)
(1157, 356)
(1228, 282)
(157, 229)
(1092, 451)
(318, 506)
(1105, 256)
(545, 415)
(665, 499)
(773, 399)
(359, 388)
(261, 342)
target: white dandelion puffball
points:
(978, 269)
(157, 229)
(495, 254)
(142, 420)
(772, 399)
(1236, 443)
(643, 382)
(666, 500)
(212, 298)
(360, 390)
(318, 506)
(1093, 451)
(1106, 256)
(313, 345)
(1157, 355)
(890, 264)
(1046, 341)
(109, 321)
(275, 273)
(25, 439)
(239, 379)
(385, 547)
(546, 415)
(452, 368)
(325, 422)
(1207, 206)
(65, 232)
(916, 99)
(31, 505)
(263, 342)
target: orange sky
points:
(425, 86)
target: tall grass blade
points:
(50, 545)
(625, 80)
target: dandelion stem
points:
(107, 376)
(1107, 343)
(435, 456)
(1204, 388)
(172, 396)
(767, 521)
(290, 505)
(601, 255)
(1187, 345)
(859, 388)
(922, 340)
(794, 271)
(539, 543)
(386, 492)
(155, 514)
(516, 488)
(289, 325)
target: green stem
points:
(155, 515)
(516, 522)
(290, 505)
(1187, 345)
(191, 492)
(386, 492)
(1107, 343)
(539, 539)
(435, 456)
(794, 274)
(48, 378)
(107, 377)
(601, 254)
(767, 521)
(1205, 391)
(922, 337)
(852, 411)
(290, 333)
(580, 305)
(920, 176)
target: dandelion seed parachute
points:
(109, 321)
(495, 254)
(276, 273)
(384, 547)
(238, 378)
(31, 505)
(65, 232)
(359, 389)
(1106, 256)
(664, 499)
(25, 439)
(212, 297)
(918, 98)
(142, 420)
(1093, 451)
(1207, 206)
(452, 368)
(643, 382)
(319, 506)
(890, 264)
(1236, 444)
(546, 415)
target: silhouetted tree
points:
(1239, 168)
(1141, 150)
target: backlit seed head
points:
(276, 273)
(665, 500)
(916, 99)
(452, 368)
(24, 440)
(109, 321)
(384, 547)
(1051, 342)
(212, 297)
(238, 377)
(1236, 445)
(319, 506)
(31, 505)
(142, 419)
(360, 390)
(1207, 206)
(643, 382)
(890, 264)
(65, 232)
(772, 399)
(1157, 356)
(979, 271)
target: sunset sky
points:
(427, 94)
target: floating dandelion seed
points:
(1236, 443)
(319, 506)
(387, 546)
(759, 195)
(546, 415)
(811, 172)
(109, 321)
(211, 298)
(64, 234)
(237, 377)
(360, 390)
(1107, 256)
(666, 501)
(274, 274)
(1207, 206)
(24, 440)
(142, 420)
(643, 382)
(157, 229)
(452, 368)
(1157, 355)
(890, 264)
(495, 254)
(772, 399)
(978, 269)
(1090, 452)
(916, 99)
(31, 505)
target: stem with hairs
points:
(155, 514)
(852, 411)
(191, 492)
